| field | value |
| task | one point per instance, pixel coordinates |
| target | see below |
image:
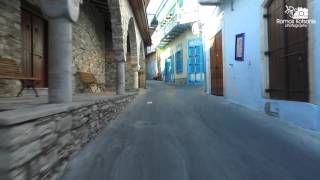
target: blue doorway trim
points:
(195, 68)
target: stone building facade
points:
(89, 45)
(99, 41)
(10, 39)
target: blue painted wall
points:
(317, 55)
(243, 80)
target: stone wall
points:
(130, 74)
(89, 43)
(40, 148)
(89, 48)
(111, 66)
(143, 70)
(111, 75)
(10, 40)
(132, 29)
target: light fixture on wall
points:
(197, 28)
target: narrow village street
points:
(175, 132)
(159, 89)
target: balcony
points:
(170, 31)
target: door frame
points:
(35, 11)
(201, 68)
(213, 63)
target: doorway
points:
(195, 68)
(216, 61)
(34, 44)
(168, 70)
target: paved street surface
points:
(188, 135)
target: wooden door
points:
(26, 27)
(216, 62)
(34, 47)
(288, 54)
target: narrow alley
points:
(159, 89)
(180, 133)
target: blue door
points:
(195, 69)
(168, 72)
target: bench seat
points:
(10, 70)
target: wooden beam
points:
(139, 10)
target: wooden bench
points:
(90, 81)
(10, 70)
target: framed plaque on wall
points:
(239, 47)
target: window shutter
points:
(288, 55)
(179, 61)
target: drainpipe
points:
(61, 14)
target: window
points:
(179, 62)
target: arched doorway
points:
(131, 73)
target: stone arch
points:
(142, 65)
(117, 45)
(116, 28)
(131, 73)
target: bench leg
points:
(23, 85)
(102, 88)
(93, 88)
(34, 89)
(27, 84)
(90, 88)
(96, 89)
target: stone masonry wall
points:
(142, 71)
(130, 70)
(111, 66)
(40, 148)
(111, 71)
(10, 40)
(89, 45)
(88, 42)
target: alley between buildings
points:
(180, 133)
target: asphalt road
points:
(188, 135)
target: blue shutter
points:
(179, 62)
